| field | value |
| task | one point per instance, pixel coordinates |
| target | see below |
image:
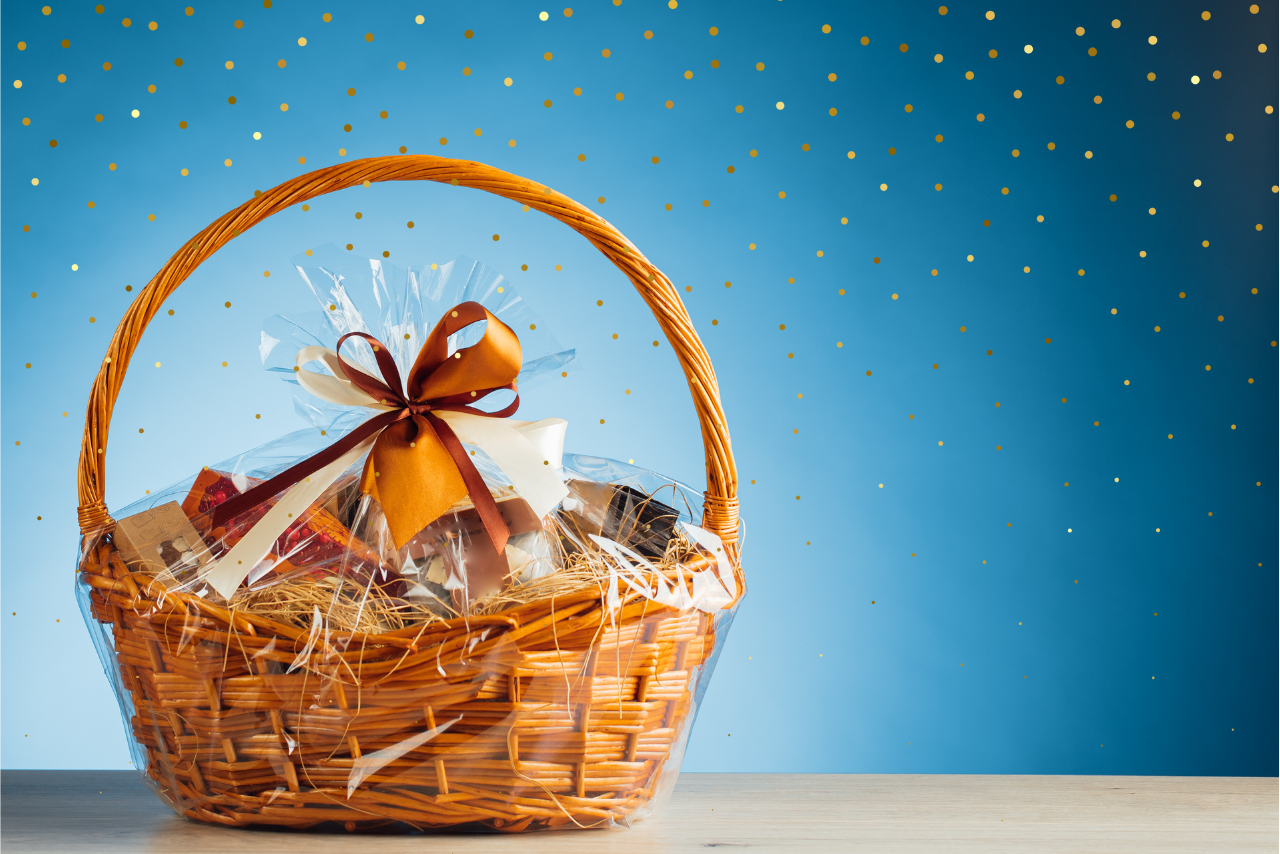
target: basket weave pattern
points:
(553, 713)
(593, 710)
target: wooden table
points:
(111, 811)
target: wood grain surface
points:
(111, 811)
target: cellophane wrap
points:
(442, 684)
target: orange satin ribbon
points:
(418, 467)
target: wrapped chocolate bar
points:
(419, 611)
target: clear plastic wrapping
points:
(439, 684)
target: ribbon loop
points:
(383, 393)
(491, 363)
(336, 388)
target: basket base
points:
(542, 717)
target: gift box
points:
(163, 543)
(315, 543)
(420, 612)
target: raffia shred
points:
(346, 608)
(349, 608)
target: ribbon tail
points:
(233, 507)
(227, 574)
(494, 524)
(529, 454)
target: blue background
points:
(926, 592)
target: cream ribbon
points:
(530, 453)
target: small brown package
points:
(162, 541)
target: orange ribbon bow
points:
(418, 468)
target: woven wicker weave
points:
(549, 714)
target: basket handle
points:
(720, 510)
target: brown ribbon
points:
(418, 468)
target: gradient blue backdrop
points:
(926, 593)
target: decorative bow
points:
(417, 467)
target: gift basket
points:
(423, 613)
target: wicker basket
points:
(557, 716)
